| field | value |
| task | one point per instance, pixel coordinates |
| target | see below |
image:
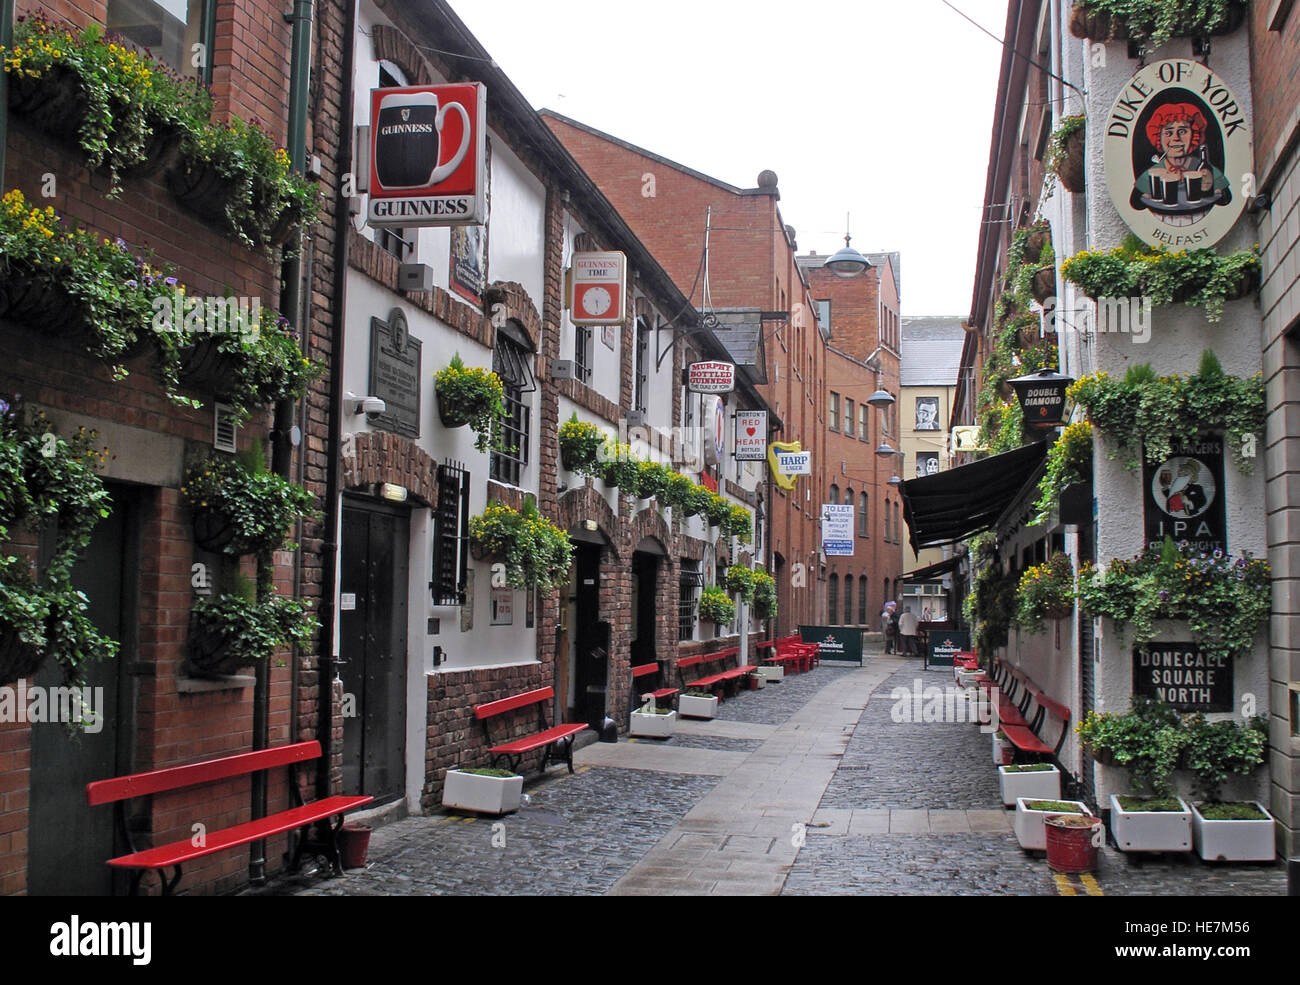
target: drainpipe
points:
(6, 36)
(281, 442)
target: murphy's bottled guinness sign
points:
(427, 146)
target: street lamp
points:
(847, 262)
(1042, 398)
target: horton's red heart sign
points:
(751, 435)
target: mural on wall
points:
(927, 463)
(1178, 155)
(927, 413)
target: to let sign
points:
(837, 530)
(711, 377)
(427, 155)
(751, 435)
(1184, 676)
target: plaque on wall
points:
(395, 375)
(1184, 676)
(1182, 497)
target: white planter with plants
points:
(486, 791)
(1032, 812)
(1003, 750)
(697, 705)
(967, 678)
(1233, 832)
(1041, 781)
(1150, 824)
(653, 723)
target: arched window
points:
(862, 599)
(834, 496)
(848, 600)
(864, 521)
(512, 360)
(832, 600)
(887, 537)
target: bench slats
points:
(177, 852)
(178, 777)
(531, 742)
(514, 701)
(1022, 738)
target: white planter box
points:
(653, 726)
(690, 706)
(1029, 824)
(1002, 751)
(1233, 841)
(1151, 831)
(966, 678)
(1039, 785)
(484, 794)
(772, 674)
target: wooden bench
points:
(559, 737)
(790, 652)
(121, 789)
(1023, 712)
(726, 680)
(641, 678)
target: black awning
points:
(952, 505)
(933, 570)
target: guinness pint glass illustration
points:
(408, 142)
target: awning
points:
(935, 570)
(952, 505)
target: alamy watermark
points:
(1091, 316)
(83, 706)
(207, 315)
(948, 704)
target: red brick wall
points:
(1275, 82)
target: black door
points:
(68, 841)
(372, 626)
(645, 578)
(591, 656)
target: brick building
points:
(752, 266)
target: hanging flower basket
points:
(33, 297)
(1072, 173)
(470, 395)
(201, 188)
(207, 367)
(1034, 243)
(451, 415)
(1097, 25)
(160, 151)
(1044, 286)
(55, 102)
(228, 632)
(213, 531)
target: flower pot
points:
(1072, 172)
(1044, 285)
(1097, 25)
(161, 152)
(55, 103)
(1036, 785)
(756, 682)
(1034, 243)
(568, 458)
(1233, 841)
(212, 655)
(772, 675)
(1151, 831)
(205, 367)
(1003, 751)
(202, 189)
(482, 794)
(693, 706)
(33, 297)
(1072, 842)
(653, 726)
(480, 551)
(1028, 823)
(213, 530)
(17, 659)
(355, 838)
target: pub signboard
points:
(1184, 676)
(1182, 497)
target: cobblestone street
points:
(807, 787)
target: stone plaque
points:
(395, 375)
(1184, 676)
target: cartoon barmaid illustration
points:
(1181, 182)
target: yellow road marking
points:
(468, 820)
(1090, 884)
(1063, 886)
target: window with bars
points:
(512, 360)
(691, 580)
(450, 536)
(582, 355)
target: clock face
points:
(596, 301)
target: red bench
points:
(640, 678)
(790, 652)
(1023, 711)
(121, 789)
(560, 737)
(728, 680)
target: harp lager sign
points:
(428, 155)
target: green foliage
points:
(738, 522)
(765, 599)
(1216, 750)
(580, 444)
(1046, 591)
(260, 506)
(535, 551)
(652, 479)
(1224, 600)
(740, 579)
(992, 602)
(1168, 410)
(1060, 140)
(472, 396)
(1069, 461)
(1231, 812)
(486, 771)
(1148, 741)
(1060, 806)
(1153, 22)
(716, 605)
(1201, 278)
(620, 467)
(252, 631)
(1154, 805)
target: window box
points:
(1028, 781)
(697, 706)
(1136, 829)
(1235, 840)
(653, 725)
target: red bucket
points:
(356, 842)
(1071, 842)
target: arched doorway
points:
(584, 642)
(647, 568)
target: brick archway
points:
(516, 306)
(391, 45)
(377, 456)
(584, 503)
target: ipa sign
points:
(711, 377)
(428, 153)
(751, 435)
(1183, 496)
(1184, 676)
(597, 288)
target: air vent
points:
(224, 431)
(562, 369)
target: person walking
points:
(907, 625)
(887, 626)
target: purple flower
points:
(132, 284)
(4, 406)
(1241, 576)
(1218, 553)
(1162, 595)
(1241, 563)
(120, 243)
(170, 281)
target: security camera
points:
(364, 405)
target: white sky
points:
(879, 109)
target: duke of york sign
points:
(1178, 155)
